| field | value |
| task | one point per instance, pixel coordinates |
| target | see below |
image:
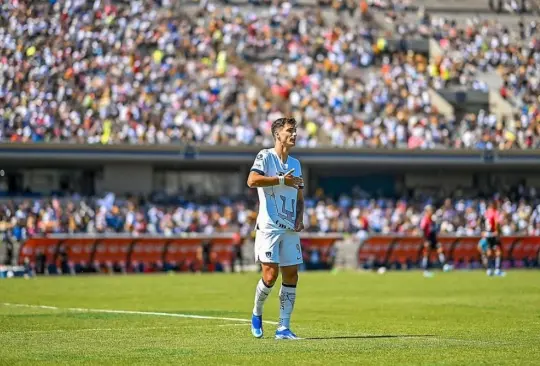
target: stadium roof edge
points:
(64, 152)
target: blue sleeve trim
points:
(257, 171)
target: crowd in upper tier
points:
(107, 72)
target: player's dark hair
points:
(279, 123)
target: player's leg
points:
(425, 258)
(267, 253)
(489, 254)
(440, 253)
(498, 259)
(287, 299)
(442, 258)
(290, 258)
(482, 248)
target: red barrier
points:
(112, 251)
(374, 250)
(323, 244)
(466, 250)
(457, 249)
(407, 249)
(526, 249)
(32, 247)
(185, 251)
(79, 251)
(148, 251)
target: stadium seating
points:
(92, 95)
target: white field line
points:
(81, 330)
(233, 325)
(174, 315)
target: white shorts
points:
(282, 248)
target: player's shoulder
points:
(263, 154)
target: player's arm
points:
(256, 180)
(258, 176)
(299, 224)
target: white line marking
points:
(174, 315)
(233, 325)
(81, 330)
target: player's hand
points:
(298, 226)
(293, 181)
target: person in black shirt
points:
(40, 262)
(206, 249)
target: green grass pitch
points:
(458, 318)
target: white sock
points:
(261, 293)
(425, 263)
(287, 297)
(497, 262)
(442, 259)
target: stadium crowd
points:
(99, 72)
(350, 214)
(129, 72)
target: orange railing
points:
(183, 252)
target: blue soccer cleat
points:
(256, 326)
(500, 273)
(285, 334)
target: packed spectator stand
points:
(137, 72)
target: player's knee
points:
(270, 275)
(290, 278)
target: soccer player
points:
(429, 231)
(492, 234)
(278, 179)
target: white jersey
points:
(277, 204)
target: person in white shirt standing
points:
(278, 179)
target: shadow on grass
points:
(373, 336)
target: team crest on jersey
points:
(259, 157)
